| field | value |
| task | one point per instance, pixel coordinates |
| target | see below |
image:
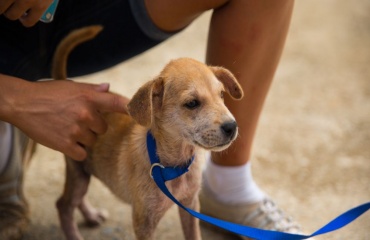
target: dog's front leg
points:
(190, 224)
(145, 219)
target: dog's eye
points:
(192, 104)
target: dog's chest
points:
(187, 185)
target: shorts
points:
(128, 31)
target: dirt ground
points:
(312, 149)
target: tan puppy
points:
(184, 109)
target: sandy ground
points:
(312, 148)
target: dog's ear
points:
(146, 101)
(229, 81)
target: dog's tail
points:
(76, 37)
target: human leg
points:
(5, 144)
(253, 57)
(13, 206)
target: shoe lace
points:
(271, 217)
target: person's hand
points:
(65, 115)
(28, 12)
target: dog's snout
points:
(229, 128)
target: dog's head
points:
(186, 101)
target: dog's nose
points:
(229, 129)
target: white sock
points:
(232, 185)
(5, 144)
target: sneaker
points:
(13, 206)
(264, 214)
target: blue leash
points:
(160, 175)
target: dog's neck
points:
(172, 150)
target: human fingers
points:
(86, 138)
(76, 152)
(27, 11)
(104, 87)
(75, 147)
(18, 9)
(4, 5)
(110, 102)
(96, 123)
(34, 14)
(14, 13)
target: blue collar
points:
(168, 173)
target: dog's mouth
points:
(218, 147)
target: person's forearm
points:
(11, 89)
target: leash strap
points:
(255, 233)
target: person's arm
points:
(63, 115)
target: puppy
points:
(183, 107)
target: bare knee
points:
(173, 15)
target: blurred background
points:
(312, 150)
